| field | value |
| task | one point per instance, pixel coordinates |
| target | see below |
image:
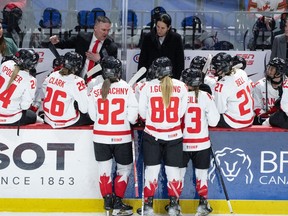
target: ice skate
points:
(120, 208)
(148, 208)
(108, 203)
(173, 208)
(203, 208)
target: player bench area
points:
(253, 128)
(50, 170)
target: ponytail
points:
(64, 71)
(13, 76)
(166, 89)
(105, 89)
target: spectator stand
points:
(258, 37)
(12, 17)
(192, 29)
(86, 19)
(132, 31)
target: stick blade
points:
(137, 75)
(207, 64)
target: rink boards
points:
(54, 170)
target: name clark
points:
(119, 91)
(158, 89)
(57, 82)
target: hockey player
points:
(113, 107)
(162, 104)
(17, 88)
(239, 62)
(232, 93)
(268, 90)
(66, 101)
(198, 62)
(201, 113)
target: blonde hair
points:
(13, 76)
(196, 90)
(166, 85)
(64, 71)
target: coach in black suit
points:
(163, 41)
(83, 43)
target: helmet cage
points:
(278, 63)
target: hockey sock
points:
(105, 182)
(201, 182)
(151, 181)
(121, 180)
(174, 181)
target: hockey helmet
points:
(239, 60)
(26, 59)
(58, 62)
(192, 77)
(222, 62)
(73, 61)
(150, 75)
(111, 68)
(278, 63)
(162, 67)
(198, 62)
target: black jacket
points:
(171, 47)
(81, 43)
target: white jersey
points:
(95, 81)
(259, 95)
(161, 122)
(284, 99)
(61, 94)
(234, 100)
(112, 117)
(211, 82)
(19, 96)
(199, 115)
(138, 87)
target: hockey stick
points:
(221, 180)
(134, 166)
(94, 70)
(244, 40)
(207, 64)
(266, 84)
(53, 49)
(137, 75)
(143, 185)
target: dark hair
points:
(165, 18)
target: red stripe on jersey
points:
(240, 121)
(163, 130)
(111, 133)
(196, 140)
(3, 115)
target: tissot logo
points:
(234, 163)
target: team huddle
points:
(175, 114)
